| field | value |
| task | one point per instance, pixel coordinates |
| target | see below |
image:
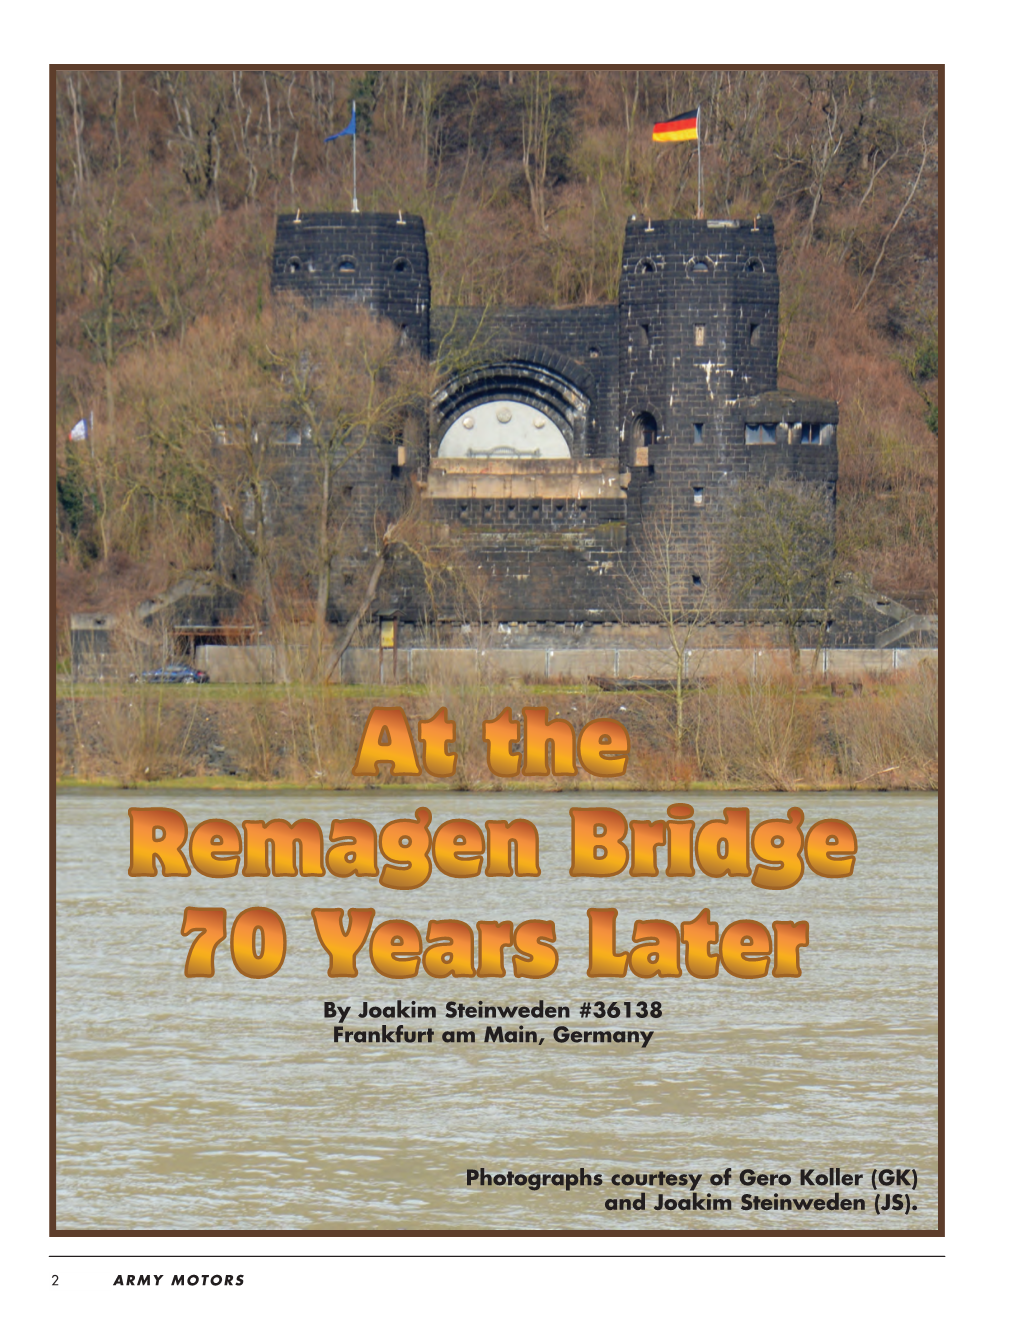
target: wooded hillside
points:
(168, 185)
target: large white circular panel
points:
(509, 429)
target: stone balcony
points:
(515, 477)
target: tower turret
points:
(376, 259)
(699, 351)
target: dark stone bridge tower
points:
(381, 262)
(699, 322)
(376, 259)
(699, 349)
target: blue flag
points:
(351, 129)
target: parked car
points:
(175, 674)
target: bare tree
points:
(924, 148)
(673, 583)
(198, 100)
(779, 555)
(203, 419)
(238, 416)
(536, 136)
(347, 382)
(104, 247)
(220, 417)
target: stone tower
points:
(376, 259)
(699, 349)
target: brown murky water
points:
(224, 1102)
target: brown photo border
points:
(54, 1231)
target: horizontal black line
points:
(565, 1256)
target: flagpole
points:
(701, 211)
(354, 117)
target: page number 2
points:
(56, 1279)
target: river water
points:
(224, 1102)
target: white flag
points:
(80, 432)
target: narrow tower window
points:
(644, 434)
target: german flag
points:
(681, 129)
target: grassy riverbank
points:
(773, 731)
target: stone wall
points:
(368, 666)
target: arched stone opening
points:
(644, 430)
(510, 409)
(644, 435)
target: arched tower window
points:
(644, 434)
(645, 430)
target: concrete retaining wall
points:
(369, 667)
